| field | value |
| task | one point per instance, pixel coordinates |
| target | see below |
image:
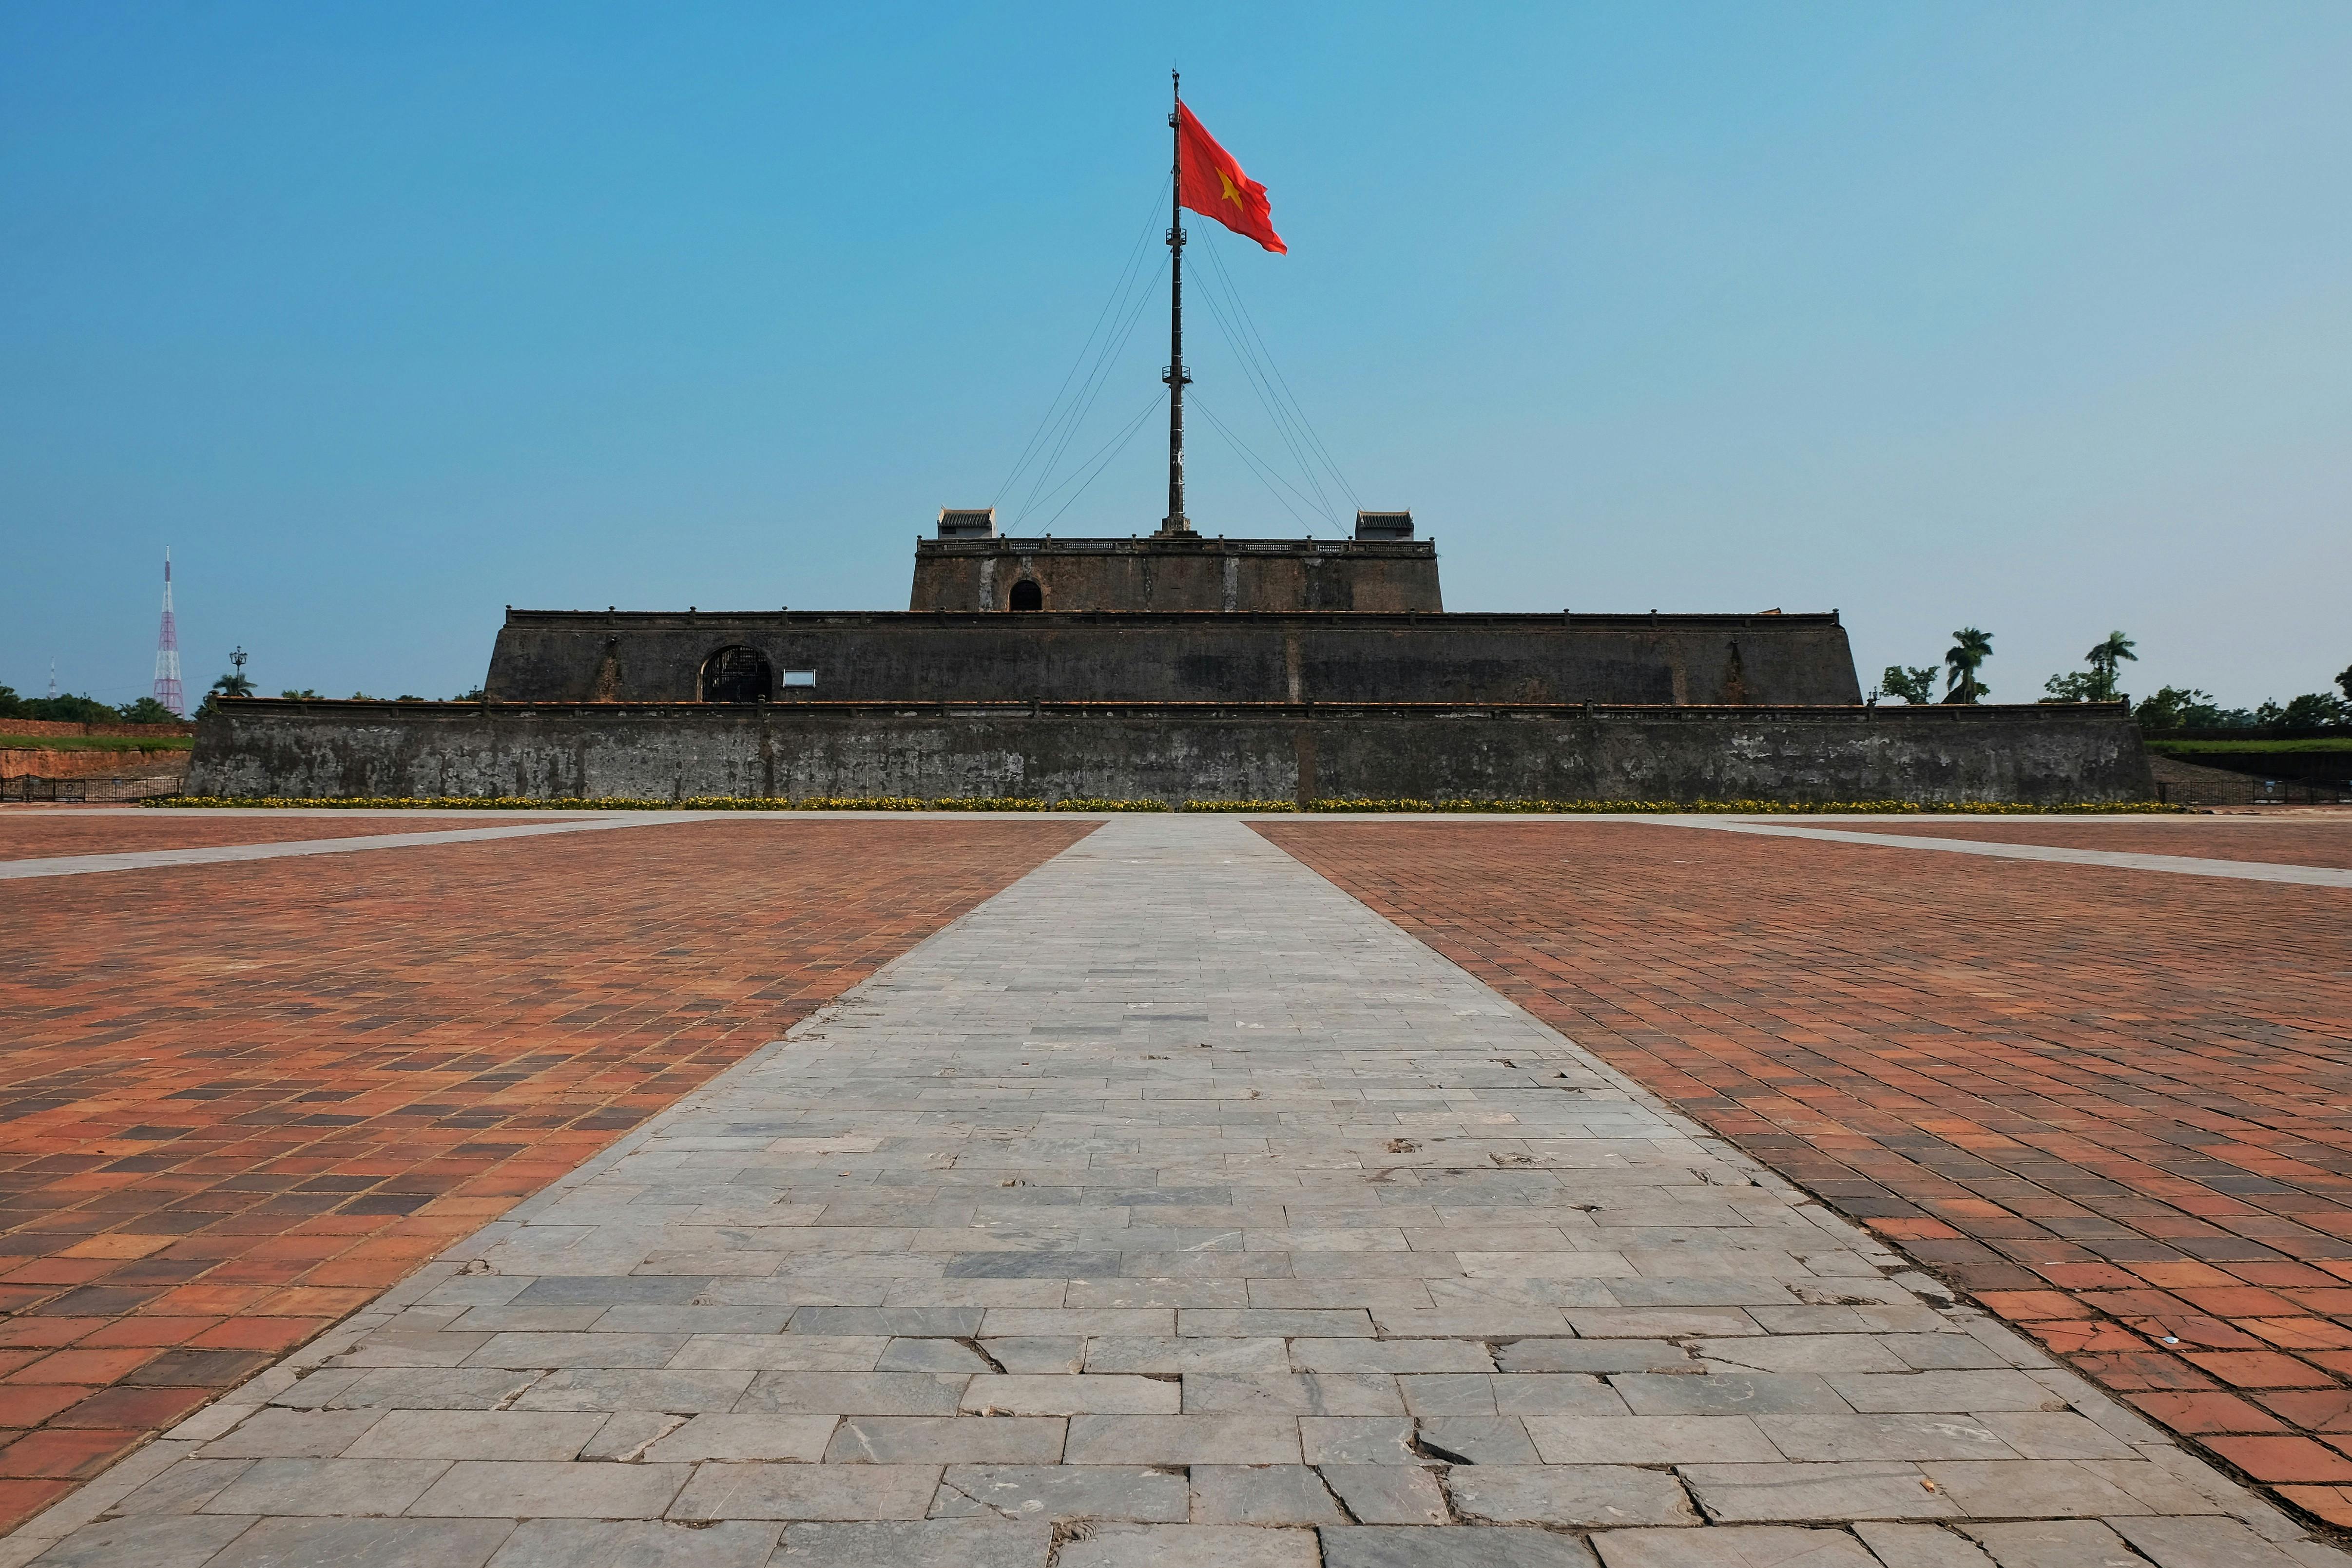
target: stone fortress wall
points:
(1109, 655)
(1171, 752)
(1184, 572)
(1172, 668)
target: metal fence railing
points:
(2214, 787)
(28, 788)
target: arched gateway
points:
(738, 674)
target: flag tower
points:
(1209, 181)
(1176, 522)
(168, 690)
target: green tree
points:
(2097, 684)
(1970, 648)
(2344, 680)
(2106, 660)
(1913, 684)
(305, 694)
(2174, 707)
(82, 709)
(2313, 710)
(2075, 686)
(236, 684)
(68, 710)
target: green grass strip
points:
(2247, 747)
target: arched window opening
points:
(1027, 595)
(738, 675)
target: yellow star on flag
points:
(1209, 181)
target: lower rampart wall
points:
(1170, 752)
(34, 762)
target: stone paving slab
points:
(2109, 1105)
(248, 849)
(2290, 841)
(43, 833)
(2335, 877)
(240, 1100)
(1172, 1046)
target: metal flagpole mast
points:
(1176, 522)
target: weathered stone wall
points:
(1170, 752)
(879, 656)
(1158, 572)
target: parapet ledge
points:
(1466, 620)
(1852, 712)
(1179, 544)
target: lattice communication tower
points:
(167, 652)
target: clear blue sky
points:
(2031, 317)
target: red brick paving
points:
(32, 834)
(238, 1101)
(2115, 1106)
(2320, 843)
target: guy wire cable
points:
(1227, 312)
(1297, 410)
(1135, 255)
(1263, 471)
(1097, 383)
(1129, 434)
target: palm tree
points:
(239, 685)
(2105, 661)
(1970, 648)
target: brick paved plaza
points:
(2285, 841)
(2115, 1106)
(242, 1098)
(447, 1204)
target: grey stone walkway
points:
(1171, 1209)
(213, 855)
(2180, 865)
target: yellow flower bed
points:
(1259, 807)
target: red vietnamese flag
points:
(1214, 185)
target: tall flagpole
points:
(1176, 522)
